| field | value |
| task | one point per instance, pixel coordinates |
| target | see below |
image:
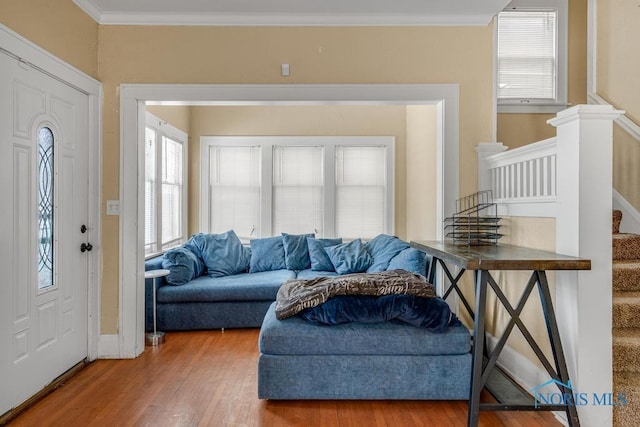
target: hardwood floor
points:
(209, 378)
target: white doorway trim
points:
(132, 118)
(25, 51)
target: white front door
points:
(43, 206)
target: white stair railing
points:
(524, 174)
(523, 180)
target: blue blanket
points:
(432, 314)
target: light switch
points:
(285, 70)
(113, 207)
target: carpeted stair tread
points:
(626, 350)
(626, 324)
(629, 384)
(626, 333)
(626, 246)
(617, 219)
(626, 310)
(626, 275)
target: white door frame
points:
(132, 118)
(22, 49)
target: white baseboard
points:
(630, 215)
(524, 372)
(109, 347)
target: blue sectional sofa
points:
(354, 360)
(215, 282)
(241, 300)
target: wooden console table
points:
(480, 260)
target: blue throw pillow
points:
(296, 251)
(349, 257)
(223, 254)
(411, 260)
(383, 248)
(267, 254)
(319, 259)
(183, 265)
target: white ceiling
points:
(292, 12)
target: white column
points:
(484, 150)
(583, 228)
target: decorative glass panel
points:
(45, 208)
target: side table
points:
(155, 338)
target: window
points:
(531, 56)
(165, 186)
(330, 186)
(234, 189)
(360, 190)
(298, 178)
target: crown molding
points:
(90, 9)
(281, 19)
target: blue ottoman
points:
(300, 360)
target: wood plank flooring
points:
(209, 378)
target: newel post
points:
(583, 228)
(484, 150)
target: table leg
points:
(556, 345)
(482, 278)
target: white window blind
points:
(298, 205)
(171, 192)
(234, 182)
(333, 186)
(527, 53)
(360, 191)
(165, 191)
(150, 205)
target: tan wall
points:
(57, 26)
(618, 68)
(626, 166)
(421, 172)
(177, 116)
(518, 231)
(317, 55)
(516, 130)
(320, 121)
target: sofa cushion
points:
(297, 336)
(240, 287)
(183, 265)
(411, 260)
(296, 251)
(319, 259)
(349, 257)
(267, 254)
(383, 248)
(223, 254)
(312, 274)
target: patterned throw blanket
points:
(299, 294)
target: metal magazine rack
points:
(475, 222)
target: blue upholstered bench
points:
(300, 360)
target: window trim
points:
(538, 105)
(266, 191)
(163, 128)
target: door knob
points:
(86, 247)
